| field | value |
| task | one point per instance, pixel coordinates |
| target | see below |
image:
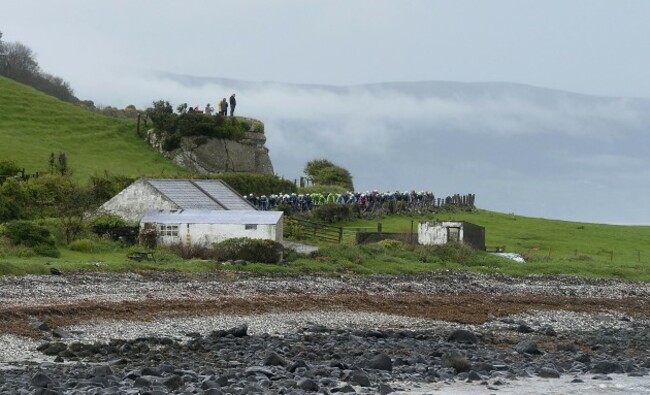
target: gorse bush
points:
(31, 235)
(251, 250)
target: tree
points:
(162, 116)
(324, 172)
(71, 201)
(61, 166)
(19, 62)
(8, 168)
(2, 54)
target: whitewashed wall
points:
(435, 233)
(207, 234)
(134, 201)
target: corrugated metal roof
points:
(224, 195)
(212, 217)
(201, 194)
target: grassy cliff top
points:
(33, 125)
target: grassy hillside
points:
(33, 125)
(551, 246)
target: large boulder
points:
(201, 154)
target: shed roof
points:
(242, 217)
(201, 194)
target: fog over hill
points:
(520, 149)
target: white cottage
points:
(442, 232)
(205, 227)
(174, 194)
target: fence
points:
(304, 229)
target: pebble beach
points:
(239, 333)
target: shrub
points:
(171, 142)
(251, 250)
(47, 250)
(9, 210)
(293, 229)
(82, 245)
(27, 233)
(192, 251)
(324, 172)
(106, 221)
(332, 213)
(391, 244)
(31, 235)
(452, 252)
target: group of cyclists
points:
(366, 201)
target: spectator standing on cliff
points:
(233, 103)
(224, 107)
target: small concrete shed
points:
(442, 232)
(205, 227)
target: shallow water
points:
(620, 384)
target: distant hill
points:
(533, 151)
(33, 125)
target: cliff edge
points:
(203, 154)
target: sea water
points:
(620, 384)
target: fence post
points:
(378, 227)
(340, 234)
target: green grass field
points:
(34, 125)
(551, 246)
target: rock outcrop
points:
(203, 154)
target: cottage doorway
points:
(453, 235)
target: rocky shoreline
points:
(229, 333)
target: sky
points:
(132, 52)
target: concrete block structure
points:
(442, 232)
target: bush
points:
(454, 252)
(324, 172)
(192, 251)
(47, 250)
(391, 244)
(293, 229)
(82, 245)
(34, 236)
(27, 233)
(332, 213)
(251, 250)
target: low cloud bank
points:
(521, 149)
